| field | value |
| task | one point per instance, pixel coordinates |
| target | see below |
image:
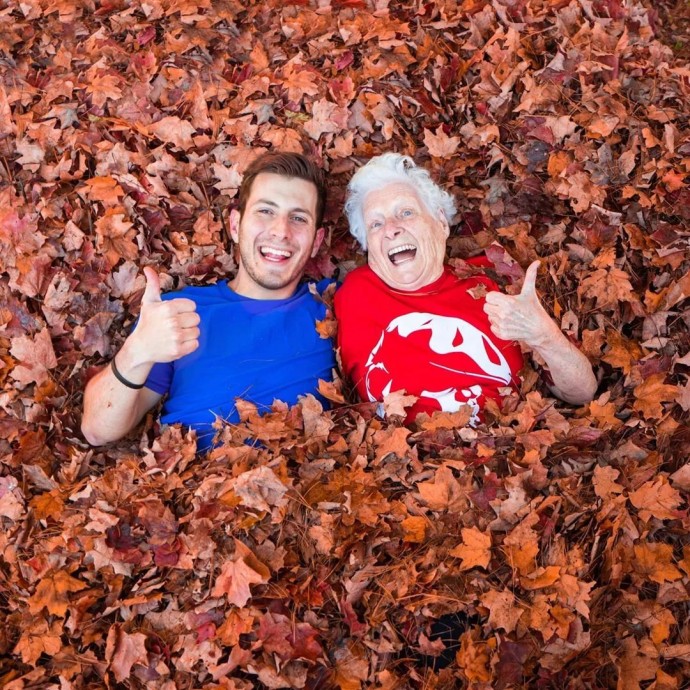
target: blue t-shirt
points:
(257, 350)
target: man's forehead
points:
(281, 190)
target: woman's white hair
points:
(386, 169)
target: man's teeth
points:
(401, 248)
(272, 251)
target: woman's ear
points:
(444, 221)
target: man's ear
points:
(318, 239)
(235, 225)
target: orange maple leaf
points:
(651, 394)
(475, 549)
(53, 592)
(237, 574)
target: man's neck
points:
(251, 290)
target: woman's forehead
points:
(389, 195)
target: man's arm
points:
(165, 332)
(522, 317)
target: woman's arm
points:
(522, 317)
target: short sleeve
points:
(160, 378)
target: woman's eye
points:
(406, 213)
(375, 225)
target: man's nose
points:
(280, 226)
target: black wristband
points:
(122, 379)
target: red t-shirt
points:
(434, 343)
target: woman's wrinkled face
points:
(406, 242)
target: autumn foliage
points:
(314, 549)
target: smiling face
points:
(406, 242)
(276, 236)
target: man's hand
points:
(521, 317)
(166, 330)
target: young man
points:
(253, 337)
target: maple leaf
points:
(326, 117)
(11, 499)
(123, 650)
(105, 189)
(474, 658)
(608, 287)
(316, 424)
(656, 499)
(444, 492)
(260, 489)
(604, 480)
(175, 131)
(653, 561)
(392, 440)
(440, 145)
(475, 549)
(116, 237)
(414, 529)
(39, 639)
(53, 591)
(351, 667)
(396, 403)
(504, 611)
(237, 574)
(36, 357)
(651, 394)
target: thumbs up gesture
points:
(521, 317)
(167, 329)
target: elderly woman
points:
(407, 322)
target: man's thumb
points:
(529, 285)
(152, 293)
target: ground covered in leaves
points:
(314, 549)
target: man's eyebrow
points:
(268, 202)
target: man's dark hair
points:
(287, 165)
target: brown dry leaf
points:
(39, 639)
(395, 404)
(52, 592)
(414, 529)
(651, 394)
(260, 489)
(541, 577)
(104, 189)
(237, 574)
(604, 480)
(393, 440)
(653, 561)
(444, 492)
(316, 425)
(123, 651)
(656, 499)
(521, 546)
(504, 611)
(474, 658)
(173, 130)
(440, 145)
(475, 549)
(35, 356)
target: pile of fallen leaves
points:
(315, 549)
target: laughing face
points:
(276, 236)
(406, 241)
